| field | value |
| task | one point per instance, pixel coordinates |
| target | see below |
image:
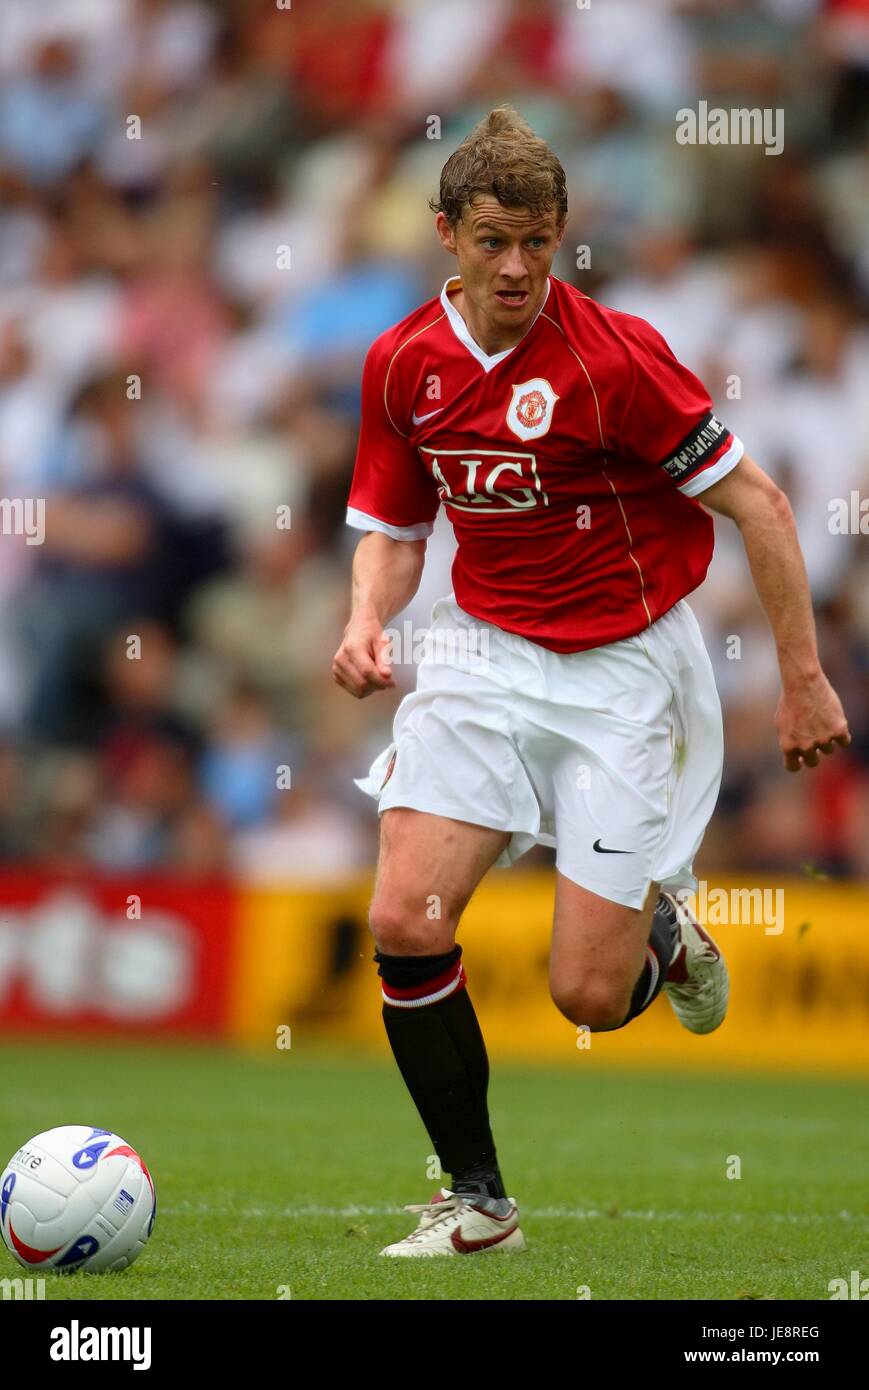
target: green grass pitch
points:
(285, 1175)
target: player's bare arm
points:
(386, 575)
(809, 719)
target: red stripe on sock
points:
(430, 986)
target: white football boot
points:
(453, 1224)
(699, 1003)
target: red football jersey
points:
(568, 465)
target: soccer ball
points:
(76, 1198)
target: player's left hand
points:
(810, 721)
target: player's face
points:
(504, 255)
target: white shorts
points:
(613, 755)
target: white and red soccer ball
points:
(75, 1198)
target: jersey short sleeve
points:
(668, 421)
(391, 490)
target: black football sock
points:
(659, 954)
(437, 1043)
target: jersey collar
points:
(460, 328)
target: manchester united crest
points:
(529, 413)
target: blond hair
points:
(504, 158)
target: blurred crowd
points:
(207, 212)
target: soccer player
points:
(566, 697)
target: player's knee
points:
(403, 929)
(595, 1003)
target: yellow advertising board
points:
(797, 950)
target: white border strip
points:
(363, 522)
(704, 479)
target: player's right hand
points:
(361, 663)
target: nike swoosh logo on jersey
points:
(418, 419)
(468, 1247)
(600, 849)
